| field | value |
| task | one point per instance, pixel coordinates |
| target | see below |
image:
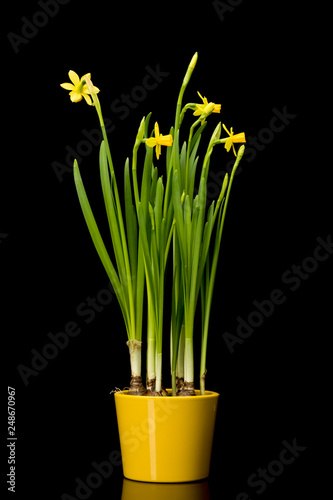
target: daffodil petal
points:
(67, 86)
(204, 99)
(228, 144)
(74, 77)
(87, 99)
(87, 75)
(225, 128)
(85, 91)
(151, 142)
(75, 97)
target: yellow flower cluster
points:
(79, 89)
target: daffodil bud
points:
(217, 133)
(223, 189)
(140, 134)
(190, 69)
(240, 153)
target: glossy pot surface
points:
(166, 439)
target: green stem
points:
(195, 124)
(186, 80)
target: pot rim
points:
(207, 395)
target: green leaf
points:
(206, 239)
(131, 224)
(154, 178)
(140, 290)
(146, 254)
(111, 211)
(197, 245)
(193, 168)
(188, 232)
(175, 148)
(146, 180)
(154, 253)
(182, 165)
(99, 244)
(178, 213)
(169, 155)
(158, 214)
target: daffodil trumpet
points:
(162, 217)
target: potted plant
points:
(162, 224)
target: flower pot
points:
(166, 439)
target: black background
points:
(254, 58)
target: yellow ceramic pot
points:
(166, 439)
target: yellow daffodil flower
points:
(234, 138)
(159, 140)
(205, 107)
(78, 88)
